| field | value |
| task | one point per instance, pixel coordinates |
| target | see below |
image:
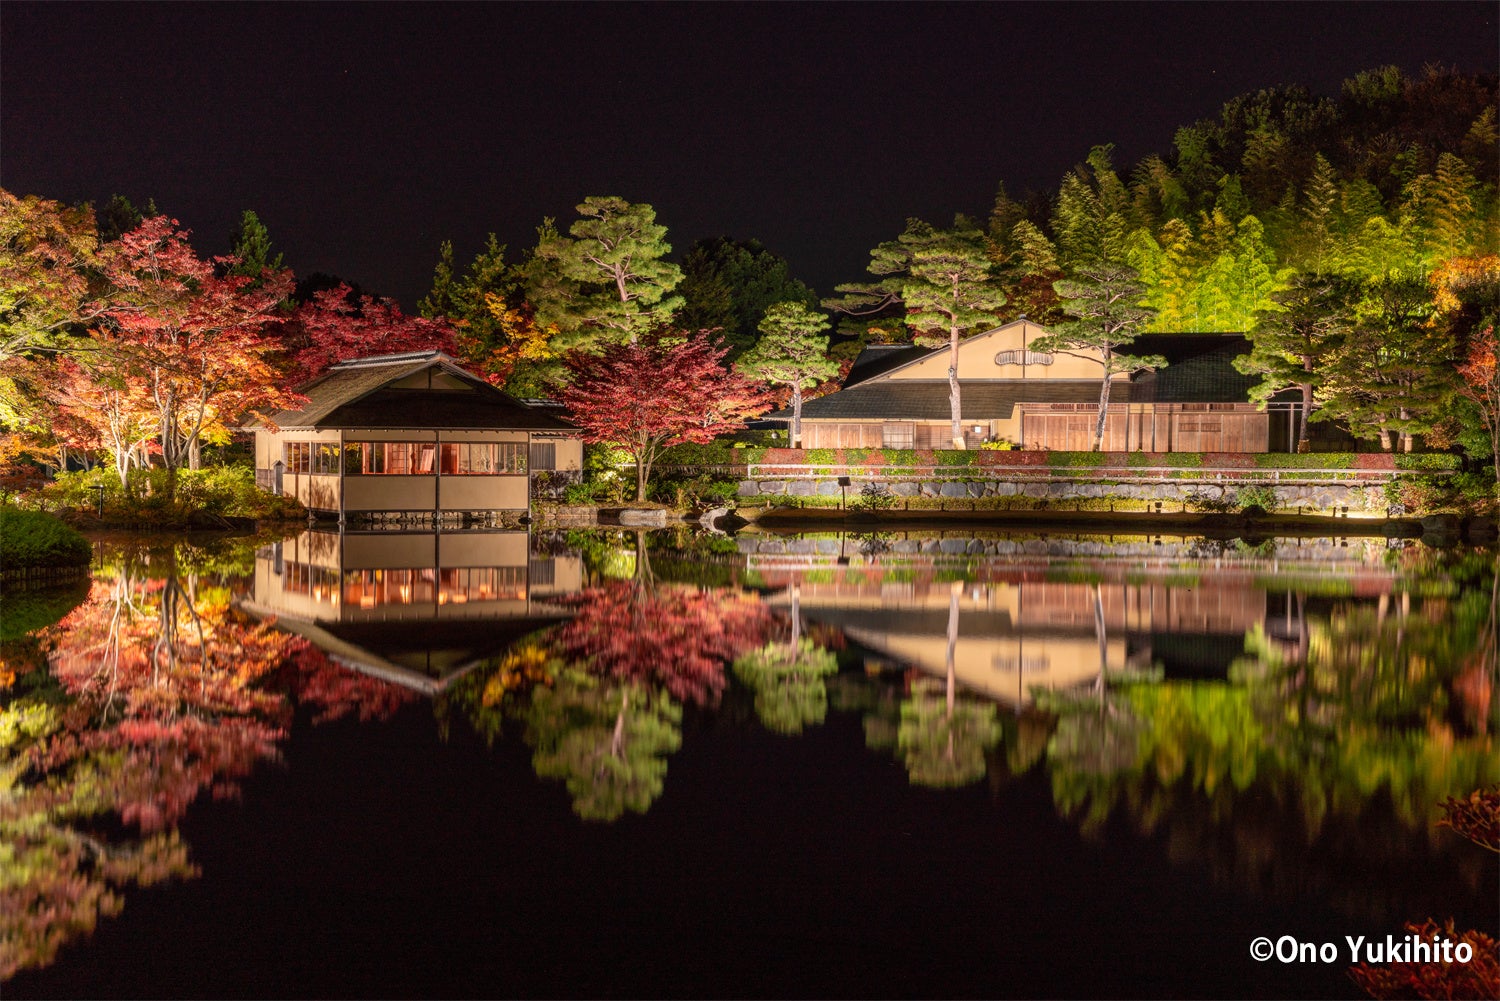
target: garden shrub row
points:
(34, 539)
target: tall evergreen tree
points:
(1105, 301)
(730, 284)
(948, 293)
(464, 299)
(251, 243)
(792, 351)
(1291, 344)
(616, 282)
(1319, 203)
(1393, 369)
(1092, 212)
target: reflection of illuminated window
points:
(451, 585)
(319, 583)
(1039, 663)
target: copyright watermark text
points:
(1356, 949)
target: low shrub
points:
(1262, 497)
(1075, 460)
(31, 539)
(1305, 460)
(1431, 462)
(151, 499)
(873, 497)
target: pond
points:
(610, 764)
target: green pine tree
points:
(948, 293)
(1105, 301)
(792, 351)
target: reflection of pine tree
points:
(942, 738)
(606, 740)
(787, 678)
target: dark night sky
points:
(364, 135)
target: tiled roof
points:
(353, 394)
(878, 359)
(914, 399)
(1200, 369)
(487, 407)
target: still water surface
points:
(605, 764)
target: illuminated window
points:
(544, 455)
(896, 434)
(1023, 358)
(483, 458)
(296, 456)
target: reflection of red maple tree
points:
(677, 636)
(337, 691)
(1478, 978)
(164, 706)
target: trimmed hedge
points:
(32, 539)
(1427, 461)
(1305, 460)
(1070, 460)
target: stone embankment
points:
(1317, 496)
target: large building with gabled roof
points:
(896, 396)
(411, 436)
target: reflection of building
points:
(1016, 636)
(416, 608)
(413, 436)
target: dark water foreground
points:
(863, 765)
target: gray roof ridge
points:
(377, 361)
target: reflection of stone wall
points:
(1141, 548)
(1313, 498)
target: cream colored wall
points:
(569, 453)
(976, 359)
(488, 549)
(389, 493)
(567, 577)
(389, 551)
(484, 493)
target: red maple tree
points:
(190, 333)
(338, 325)
(658, 392)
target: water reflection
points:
(1286, 716)
(137, 702)
(418, 609)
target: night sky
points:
(365, 135)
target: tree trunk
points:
(796, 617)
(1103, 408)
(617, 739)
(796, 415)
(640, 477)
(954, 403)
(1304, 437)
(953, 592)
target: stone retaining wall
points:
(1313, 498)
